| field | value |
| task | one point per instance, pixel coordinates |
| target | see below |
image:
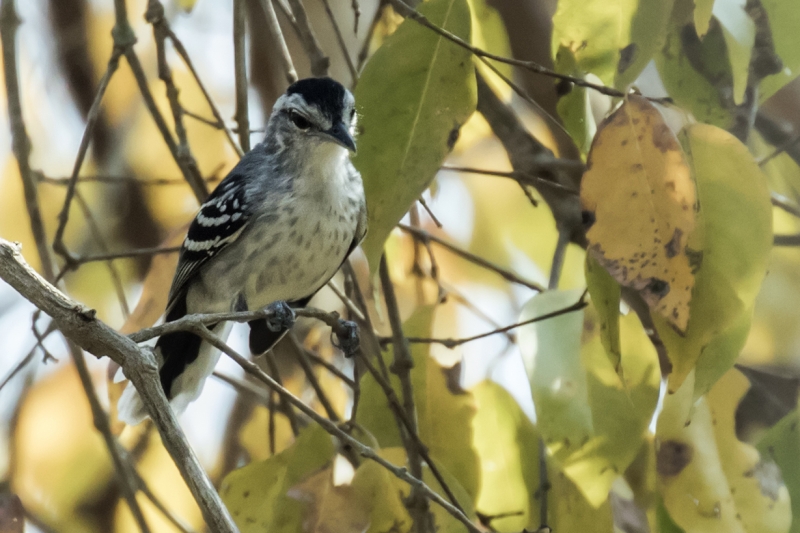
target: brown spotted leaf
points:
(639, 205)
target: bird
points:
(271, 234)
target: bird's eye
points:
(352, 114)
(299, 120)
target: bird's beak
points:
(340, 134)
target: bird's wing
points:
(220, 221)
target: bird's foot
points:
(349, 341)
(282, 318)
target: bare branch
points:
(417, 503)
(319, 61)
(340, 39)
(20, 143)
(331, 427)
(278, 42)
(452, 343)
(411, 13)
(80, 324)
(240, 73)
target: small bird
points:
(272, 233)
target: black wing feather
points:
(218, 223)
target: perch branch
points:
(79, 323)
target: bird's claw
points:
(282, 318)
(347, 334)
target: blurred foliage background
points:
(727, 63)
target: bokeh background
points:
(131, 196)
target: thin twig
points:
(782, 202)
(402, 419)
(285, 406)
(319, 61)
(79, 323)
(469, 256)
(340, 39)
(122, 468)
(214, 110)
(452, 343)
(417, 503)
(189, 322)
(240, 74)
(348, 303)
(300, 355)
(20, 142)
(127, 255)
(317, 360)
(553, 165)
(425, 206)
(155, 16)
(331, 427)
(363, 54)
(278, 42)
(411, 13)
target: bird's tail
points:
(186, 362)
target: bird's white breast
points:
(294, 249)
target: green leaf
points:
(613, 40)
(575, 108)
(443, 418)
(708, 479)
(508, 446)
(739, 32)
(551, 350)
(734, 231)
(593, 422)
(444, 522)
(695, 72)
(246, 490)
(702, 16)
(784, 19)
(414, 94)
(605, 293)
(489, 33)
(781, 445)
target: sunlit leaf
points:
(575, 107)
(507, 444)
(444, 522)
(592, 421)
(413, 95)
(709, 480)
(639, 205)
(735, 234)
(605, 293)
(443, 417)
(246, 491)
(696, 73)
(784, 19)
(739, 32)
(781, 444)
(613, 40)
(702, 16)
(551, 350)
(489, 33)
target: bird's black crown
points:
(324, 93)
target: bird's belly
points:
(278, 261)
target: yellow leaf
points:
(709, 480)
(639, 201)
